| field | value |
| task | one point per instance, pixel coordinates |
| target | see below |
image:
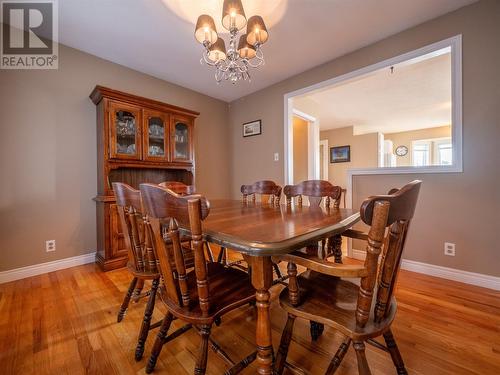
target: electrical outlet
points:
(449, 249)
(50, 245)
(276, 156)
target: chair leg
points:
(339, 356)
(201, 361)
(210, 254)
(160, 340)
(363, 368)
(395, 354)
(277, 271)
(126, 300)
(316, 330)
(146, 322)
(138, 290)
(221, 258)
(286, 337)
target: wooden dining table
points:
(261, 230)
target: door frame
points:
(312, 146)
(324, 143)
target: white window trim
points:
(436, 148)
(455, 44)
(429, 150)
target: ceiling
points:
(156, 37)
(416, 95)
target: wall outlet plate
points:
(276, 156)
(449, 249)
(50, 245)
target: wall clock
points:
(401, 150)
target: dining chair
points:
(318, 192)
(268, 192)
(359, 312)
(142, 262)
(183, 189)
(199, 297)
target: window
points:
(438, 151)
(443, 152)
(421, 154)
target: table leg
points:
(262, 279)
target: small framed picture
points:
(252, 128)
(340, 154)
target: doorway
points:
(304, 162)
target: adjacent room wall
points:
(48, 152)
(458, 207)
(364, 152)
(300, 149)
(406, 138)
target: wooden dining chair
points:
(183, 189)
(142, 262)
(361, 313)
(198, 297)
(318, 192)
(267, 191)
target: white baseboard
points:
(478, 279)
(38, 269)
(472, 278)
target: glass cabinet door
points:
(125, 131)
(181, 140)
(156, 136)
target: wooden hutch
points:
(138, 140)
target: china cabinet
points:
(138, 140)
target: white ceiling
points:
(152, 38)
(414, 96)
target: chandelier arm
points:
(258, 62)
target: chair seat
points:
(229, 289)
(332, 301)
(145, 275)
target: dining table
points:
(260, 231)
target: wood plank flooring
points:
(64, 322)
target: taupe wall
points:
(48, 152)
(364, 152)
(406, 139)
(300, 149)
(459, 207)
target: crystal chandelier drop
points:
(243, 53)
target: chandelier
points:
(234, 64)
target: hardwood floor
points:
(64, 322)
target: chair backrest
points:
(269, 192)
(163, 207)
(140, 252)
(178, 187)
(395, 211)
(315, 191)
